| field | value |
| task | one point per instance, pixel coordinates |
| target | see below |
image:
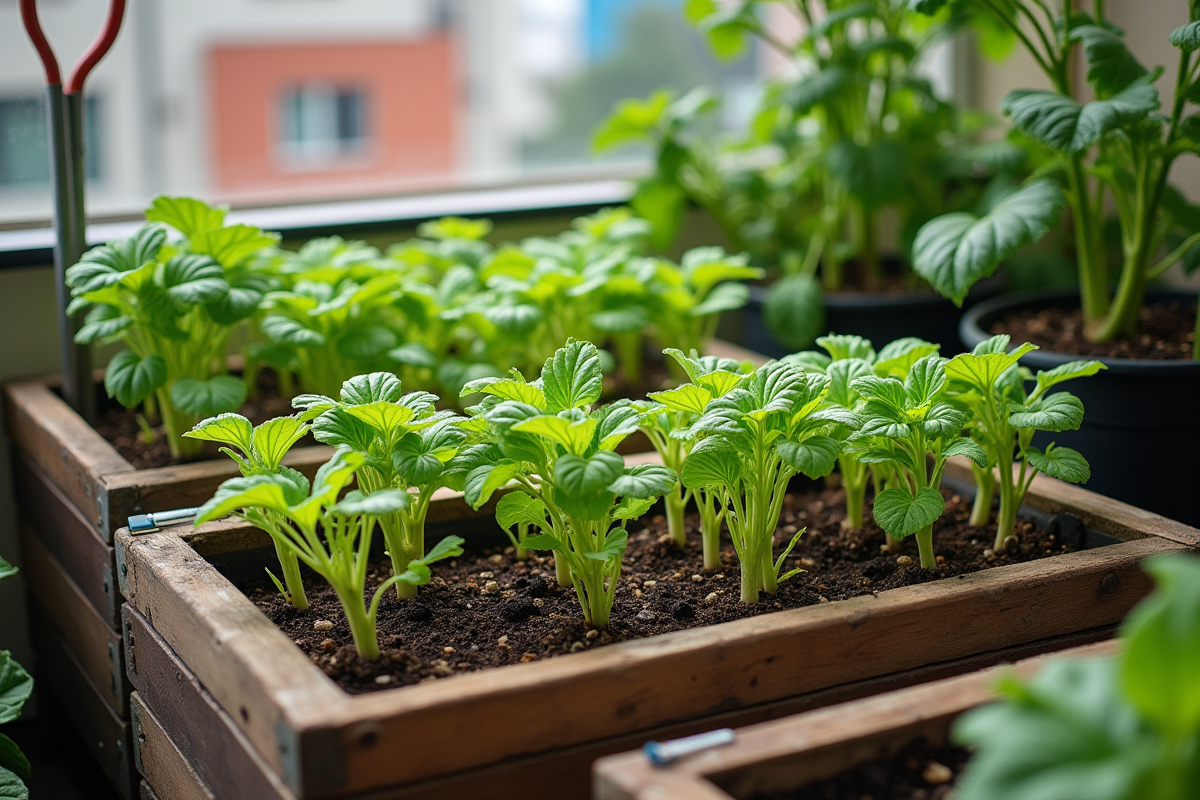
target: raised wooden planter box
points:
(786, 754)
(205, 661)
(73, 491)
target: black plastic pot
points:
(879, 316)
(1141, 429)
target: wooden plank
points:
(159, 760)
(785, 754)
(72, 540)
(86, 633)
(226, 761)
(65, 447)
(106, 735)
(219, 753)
(331, 743)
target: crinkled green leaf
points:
(954, 251)
(942, 420)
(1063, 123)
(285, 330)
(969, 448)
(232, 244)
(193, 279)
(896, 358)
(795, 311)
(574, 435)
(11, 786)
(7, 570)
(372, 388)
(843, 346)
(887, 391)
(335, 427)
(902, 514)
(875, 173)
(1111, 67)
(615, 544)
(687, 398)
(102, 322)
(581, 484)
(632, 507)
(483, 481)
(725, 297)
(644, 482)
(255, 491)
(518, 508)
(925, 380)
(186, 214)
(544, 541)
(571, 378)
(131, 379)
(814, 457)
(376, 504)
(1066, 372)
(231, 429)
(712, 462)
(13, 760)
(507, 389)
(1061, 411)
(272, 440)
(982, 371)
(15, 688)
(366, 342)
(1187, 37)
(210, 397)
(1062, 463)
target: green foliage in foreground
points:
(15, 689)
(1126, 728)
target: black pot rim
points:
(971, 331)
(924, 298)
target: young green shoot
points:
(990, 384)
(547, 439)
(752, 440)
(910, 427)
(330, 537)
(260, 451)
(407, 445)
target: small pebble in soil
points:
(322, 625)
(518, 610)
(491, 587)
(593, 633)
(698, 578)
(682, 609)
(989, 554)
(937, 774)
(448, 650)
(904, 561)
(711, 597)
(329, 646)
(502, 641)
(649, 584)
(496, 558)
(383, 680)
(525, 659)
(416, 611)
(645, 615)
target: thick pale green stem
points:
(290, 564)
(710, 534)
(769, 584)
(522, 532)
(673, 501)
(1093, 280)
(362, 627)
(562, 572)
(985, 491)
(178, 423)
(856, 491)
(1006, 520)
(751, 578)
(925, 547)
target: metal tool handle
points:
(64, 120)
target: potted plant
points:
(858, 135)
(1115, 150)
(1117, 720)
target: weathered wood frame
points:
(325, 743)
(73, 490)
(785, 754)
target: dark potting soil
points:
(487, 609)
(119, 426)
(919, 771)
(1167, 331)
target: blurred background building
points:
(270, 101)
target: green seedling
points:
(557, 450)
(751, 441)
(1004, 418)
(260, 451)
(330, 537)
(16, 687)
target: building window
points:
(323, 123)
(23, 155)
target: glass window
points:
(323, 123)
(23, 154)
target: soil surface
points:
(1167, 331)
(919, 771)
(487, 609)
(121, 428)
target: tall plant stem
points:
(675, 506)
(925, 547)
(751, 577)
(1093, 280)
(854, 478)
(985, 491)
(362, 627)
(562, 572)
(292, 580)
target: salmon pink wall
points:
(413, 108)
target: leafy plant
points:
(15, 689)
(407, 446)
(260, 451)
(905, 425)
(752, 440)
(1003, 420)
(845, 359)
(1116, 150)
(547, 439)
(1125, 728)
(173, 305)
(666, 418)
(331, 537)
(859, 133)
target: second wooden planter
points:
(783, 756)
(228, 688)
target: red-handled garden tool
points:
(64, 121)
